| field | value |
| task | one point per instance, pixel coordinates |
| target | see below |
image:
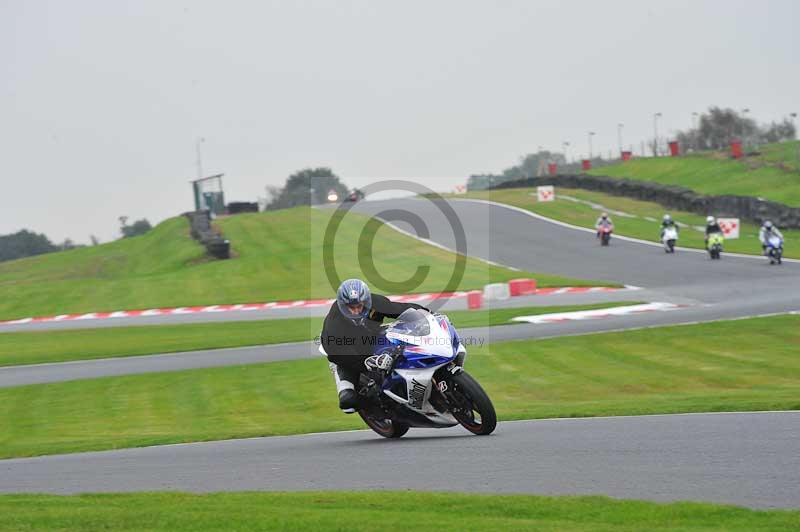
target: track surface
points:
(747, 459)
(713, 457)
(750, 285)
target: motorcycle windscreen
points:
(421, 330)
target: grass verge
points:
(722, 366)
(331, 510)
(38, 347)
(774, 174)
(584, 215)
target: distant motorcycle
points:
(715, 241)
(604, 232)
(775, 249)
(669, 238)
(354, 196)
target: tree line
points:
(718, 127)
(309, 186)
(715, 129)
(25, 243)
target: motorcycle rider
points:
(711, 227)
(767, 230)
(666, 222)
(349, 334)
(603, 221)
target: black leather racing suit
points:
(348, 345)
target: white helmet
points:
(768, 224)
(710, 220)
(667, 217)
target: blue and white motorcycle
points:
(416, 378)
(775, 249)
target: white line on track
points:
(601, 313)
(440, 246)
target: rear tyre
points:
(384, 427)
(473, 409)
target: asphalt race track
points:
(752, 459)
(509, 237)
(722, 458)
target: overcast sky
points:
(101, 102)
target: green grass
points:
(774, 175)
(278, 255)
(585, 216)
(87, 344)
(384, 510)
(723, 366)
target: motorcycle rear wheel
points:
(384, 427)
(472, 400)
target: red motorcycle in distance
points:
(604, 234)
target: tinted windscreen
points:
(412, 322)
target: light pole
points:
(590, 135)
(197, 144)
(656, 116)
(695, 133)
(744, 126)
(619, 137)
(565, 145)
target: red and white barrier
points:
(496, 292)
(522, 287)
(474, 299)
(280, 305)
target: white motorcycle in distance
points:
(775, 249)
(668, 238)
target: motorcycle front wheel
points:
(384, 427)
(472, 409)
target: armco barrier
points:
(522, 287)
(673, 197)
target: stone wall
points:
(674, 197)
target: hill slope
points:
(774, 175)
(278, 255)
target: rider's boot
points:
(348, 398)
